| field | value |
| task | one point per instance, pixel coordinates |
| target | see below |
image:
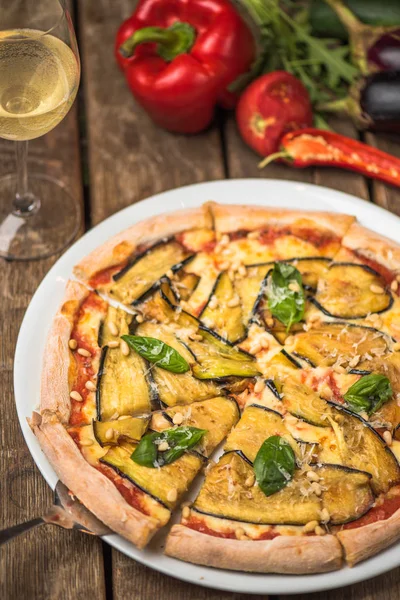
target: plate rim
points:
(196, 574)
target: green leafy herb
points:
(274, 465)
(286, 299)
(323, 65)
(158, 352)
(369, 393)
(179, 440)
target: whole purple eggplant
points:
(380, 101)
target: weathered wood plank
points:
(47, 563)
(129, 160)
(385, 195)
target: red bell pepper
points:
(317, 147)
(179, 57)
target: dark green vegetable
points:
(369, 393)
(285, 292)
(179, 440)
(157, 351)
(325, 23)
(274, 465)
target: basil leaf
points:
(285, 292)
(179, 440)
(274, 465)
(158, 352)
(369, 393)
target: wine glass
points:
(39, 79)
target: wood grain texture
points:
(385, 195)
(130, 159)
(46, 563)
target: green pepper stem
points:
(171, 41)
(272, 157)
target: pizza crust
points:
(231, 217)
(54, 396)
(90, 486)
(374, 246)
(120, 247)
(284, 554)
(363, 542)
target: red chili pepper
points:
(317, 147)
(180, 56)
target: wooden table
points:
(110, 155)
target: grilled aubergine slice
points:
(351, 291)
(144, 272)
(226, 494)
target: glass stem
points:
(25, 203)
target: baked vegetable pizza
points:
(269, 332)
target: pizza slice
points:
(285, 528)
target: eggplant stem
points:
(268, 159)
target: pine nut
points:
(259, 386)
(170, 273)
(224, 241)
(224, 266)
(73, 344)
(264, 343)
(354, 361)
(310, 526)
(213, 303)
(319, 530)
(139, 318)
(86, 442)
(76, 396)
(242, 271)
(113, 328)
(394, 285)
(84, 352)
(376, 289)
(312, 476)
(172, 495)
(185, 512)
(177, 418)
(109, 434)
(250, 481)
(255, 349)
(235, 301)
(113, 344)
(316, 488)
(325, 516)
(163, 446)
(387, 436)
(124, 348)
(123, 417)
(253, 235)
(89, 385)
(239, 532)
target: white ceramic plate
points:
(44, 304)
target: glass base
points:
(44, 231)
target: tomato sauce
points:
(198, 525)
(317, 238)
(83, 365)
(378, 513)
(105, 276)
(131, 494)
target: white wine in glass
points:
(39, 79)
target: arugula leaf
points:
(274, 465)
(179, 439)
(323, 65)
(158, 352)
(369, 393)
(286, 299)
